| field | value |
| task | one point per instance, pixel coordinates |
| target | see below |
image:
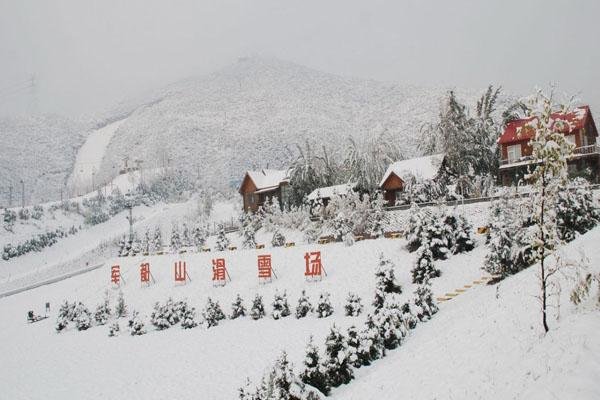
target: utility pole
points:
(10, 193)
(130, 219)
(22, 194)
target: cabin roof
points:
(514, 132)
(426, 167)
(330, 191)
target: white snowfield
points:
(486, 343)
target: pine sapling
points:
(324, 308)
(237, 308)
(353, 306)
(304, 307)
(258, 308)
(281, 308)
(314, 374)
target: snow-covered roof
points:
(269, 178)
(517, 130)
(423, 167)
(330, 191)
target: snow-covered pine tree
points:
(337, 363)
(424, 302)
(102, 313)
(186, 237)
(313, 231)
(237, 308)
(222, 240)
(576, 210)
(158, 318)
(353, 306)
(175, 238)
(304, 307)
(314, 374)
(114, 329)
(419, 219)
(199, 236)
(424, 268)
(136, 324)
(410, 320)
(371, 343)
(248, 231)
(136, 245)
(324, 308)
(507, 241)
(212, 313)
(83, 317)
(258, 308)
(348, 239)
(157, 243)
(120, 307)
(65, 315)
(283, 378)
(281, 308)
(461, 234)
(377, 216)
(385, 281)
(278, 238)
(389, 321)
(246, 392)
(188, 317)
(146, 242)
(353, 346)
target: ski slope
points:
(89, 158)
(487, 342)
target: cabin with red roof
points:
(260, 186)
(515, 151)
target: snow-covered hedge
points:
(36, 243)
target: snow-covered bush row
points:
(36, 243)
(447, 232)
(511, 227)
(173, 312)
(151, 241)
(385, 329)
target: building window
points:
(514, 152)
(571, 139)
(250, 198)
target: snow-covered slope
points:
(254, 112)
(41, 151)
(487, 342)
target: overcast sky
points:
(88, 55)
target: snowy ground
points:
(485, 343)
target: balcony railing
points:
(579, 151)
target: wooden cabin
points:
(260, 186)
(397, 174)
(515, 151)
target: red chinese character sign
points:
(181, 274)
(265, 269)
(313, 267)
(145, 274)
(219, 272)
(115, 275)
